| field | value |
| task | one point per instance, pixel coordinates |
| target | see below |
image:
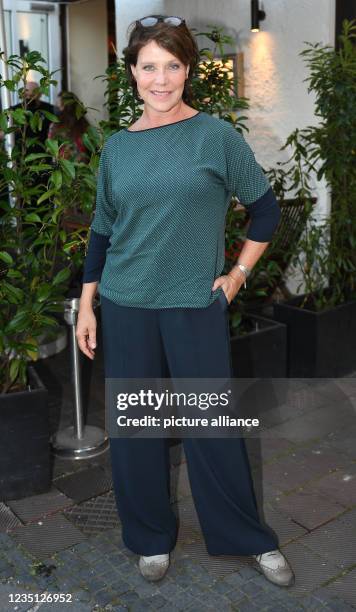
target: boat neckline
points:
(162, 126)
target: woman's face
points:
(160, 77)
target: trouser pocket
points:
(223, 300)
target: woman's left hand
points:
(230, 285)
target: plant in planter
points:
(320, 333)
(37, 253)
(322, 322)
(37, 256)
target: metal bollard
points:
(78, 441)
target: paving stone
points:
(82, 595)
(344, 440)
(252, 589)
(311, 604)
(294, 606)
(338, 605)
(337, 389)
(156, 601)
(204, 579)
(185, 599)
(21, 558)
(271, 448)
(309, 509)
(310, 569)
(74, 607)
(85, 484)
(286, 474)
(6, 541)
(222, 587)
(247, 605)
(184, 580)
(197, 590)
(248, 572)
(291, 404)
(48, 536)
(127, 568)
(196, 607)
(335, 541)
(234, 580)
(339, 486)
(235, 596)
(222, 604)
(29, 509)
(344, 587)
(349, 518)
(216, 600)
(96, 584)
(139, 606)
(105, 544)
(104, 597)
(321, 458)
(316, 424)
(264, 600)
(285, 528)
(146, 589)
(128, 598)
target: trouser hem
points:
(161, 549)
(215, 552)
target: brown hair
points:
(178, 40)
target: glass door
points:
(29, 29)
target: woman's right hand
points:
(86, 331)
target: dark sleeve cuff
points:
(265, 215)
(96, 256)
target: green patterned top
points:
(162, 197)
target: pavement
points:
(62, 550)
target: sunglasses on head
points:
(148, 22)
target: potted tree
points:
(37, 257)
(322, 321)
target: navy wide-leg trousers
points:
(179, 343)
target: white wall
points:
(129, 10)
(88, 53)
(273, 70)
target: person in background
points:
(34, 103)
(71, 127)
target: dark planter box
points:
(319, 344)
(260, 353)
(24, 441)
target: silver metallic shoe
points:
(276, 568)
(154, 567)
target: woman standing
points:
(157, 247)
